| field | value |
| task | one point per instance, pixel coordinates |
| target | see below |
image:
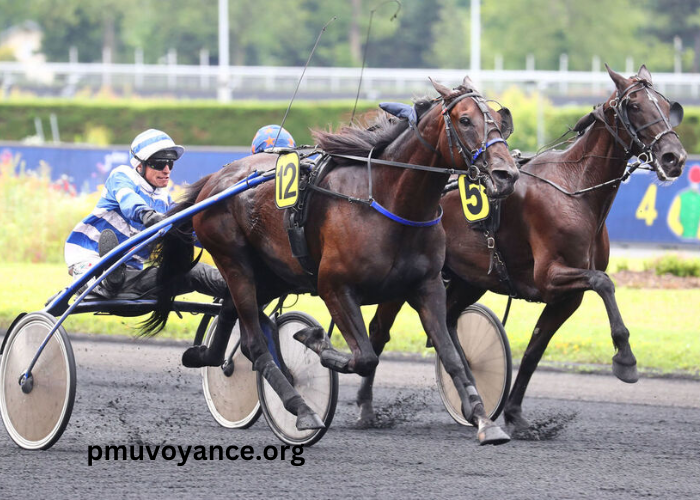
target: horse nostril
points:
(669, 159)
(505, 176)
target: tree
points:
(678, 18)
(549, 28)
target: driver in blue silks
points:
(134, 197)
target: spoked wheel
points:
(315, 383)
(484, 343)
(230, 391)
(37, 419)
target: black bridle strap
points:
(599, 114)
(376, 161)
(422, 139)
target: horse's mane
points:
(376, 130)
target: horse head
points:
(478, 133)
(648, 117)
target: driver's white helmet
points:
(150, 142)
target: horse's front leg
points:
(551, 319)
(379, 335)
(562, 279)
(429, 302)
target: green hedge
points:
(191, 122)
(212, 124)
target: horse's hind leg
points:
(551, 319)
(379, 334)
(198, 356)
(429, 301)
(254, 346)
(344, 307)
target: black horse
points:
(552, 237)
(359, 252)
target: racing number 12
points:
(287, 180)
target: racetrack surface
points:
(601, 439)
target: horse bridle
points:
(619, 106)
(474, 170)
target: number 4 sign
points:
(646, 210)
(287, 180)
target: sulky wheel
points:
(485, 345)
(230, 391)
(316, 384)
(35, 418)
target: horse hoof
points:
(193, 357)
(313, 337)
(309, 421)
(492, 434)
(626, 373)
(367, 415)
(516, 424)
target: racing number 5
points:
(287, 180)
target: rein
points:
(631, 167)
(473, 171)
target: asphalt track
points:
(599, 437)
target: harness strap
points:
(403, 221)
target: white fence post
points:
(563, 68)
(107, 64)
(498, 66)
(74, 76)
(595, 68)
(172, 68)
(138, 62)
(530, 62)
(204, 63)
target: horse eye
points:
(464, 120)
(634, 106)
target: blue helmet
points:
(265, 139)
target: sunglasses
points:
(159, 164)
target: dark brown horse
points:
(360, 255)
(555, 245)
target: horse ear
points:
(441, 89)
(506, 122)
(644, 73)
(467, 83)
(620, 81)
(675, 114)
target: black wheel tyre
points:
(36, 420)
(485, 345)
(315, 383)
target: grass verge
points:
(662, 323)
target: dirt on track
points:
(595, 438)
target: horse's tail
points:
(174, 257)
